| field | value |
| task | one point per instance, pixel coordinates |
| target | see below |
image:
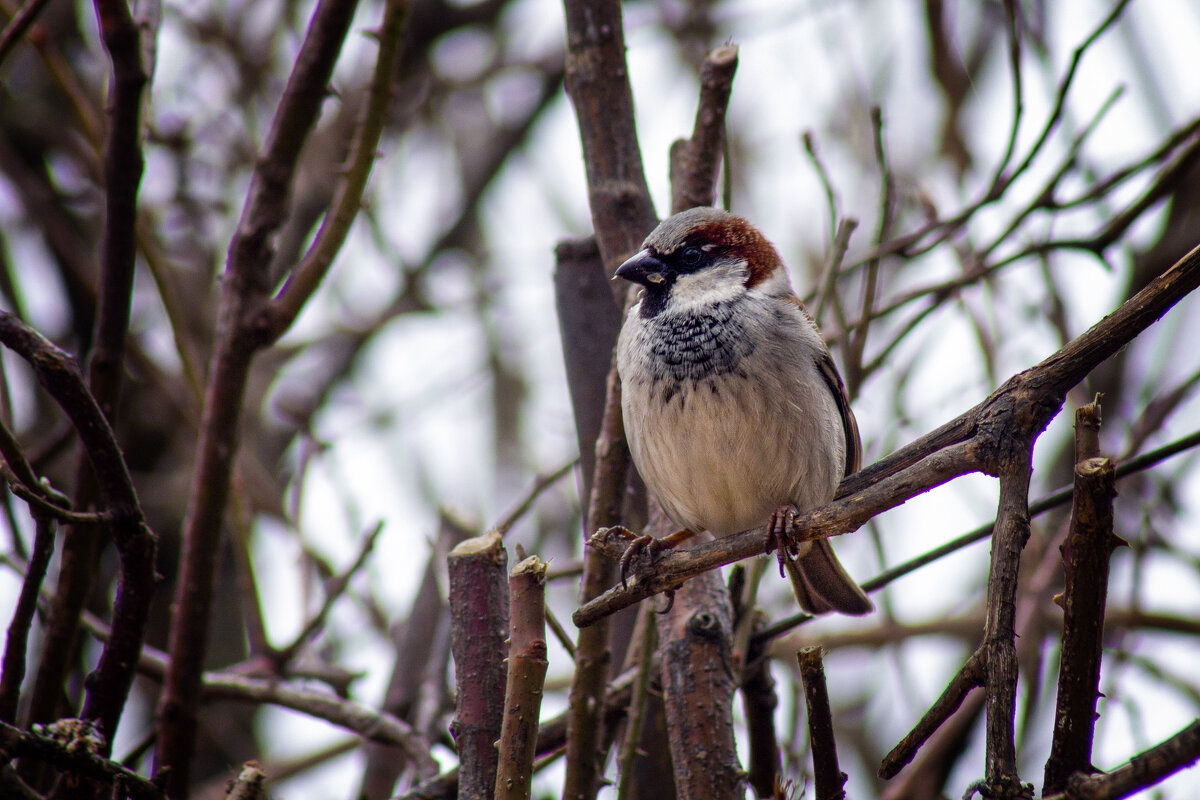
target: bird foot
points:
(779, 536)
(646, 544)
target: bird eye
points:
(691, 256)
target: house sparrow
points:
(735, 413)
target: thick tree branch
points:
(526, 680)
(479, 623)
(622, 214)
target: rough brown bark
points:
(1090, 542)
(698, 687)
(829, 780)
(479, 606)
(526, 678)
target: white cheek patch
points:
(717, 284)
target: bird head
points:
(700, 257)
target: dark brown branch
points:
(1053, 500)
(479, 622)
(123, 165)
(828, 777)
(598, 84)
(589, 319)
(971, 676)
(1143, 770)
(759, 702)
(841, 516)
(597, 80)
(928, 774)
(698, 690)
(592, 653)
(1090, 542)
(999, 630)
(74, 759)
(526, 679)
(17, 640)
(58, 374)
(239, 334)
(696, 161)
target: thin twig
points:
(333, 591)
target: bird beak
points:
(643, 268)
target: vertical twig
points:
(479, 623)
(634, 720)
(759, 701)
(592, 655)
(526, 677)
(695, 161)
(622, 214)
(248, 322)
(123, 165)
(1090, 542)
(829, 779)
(17, 640)
(1009, 538)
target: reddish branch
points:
(526, 679)
(479, 621)
(250, 320)
(123, 165)
(597, 80)
(58, 374)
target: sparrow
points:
(735, 414)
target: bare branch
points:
(526, 678)
(829, 779)
(479, 624)
(1086, 553)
